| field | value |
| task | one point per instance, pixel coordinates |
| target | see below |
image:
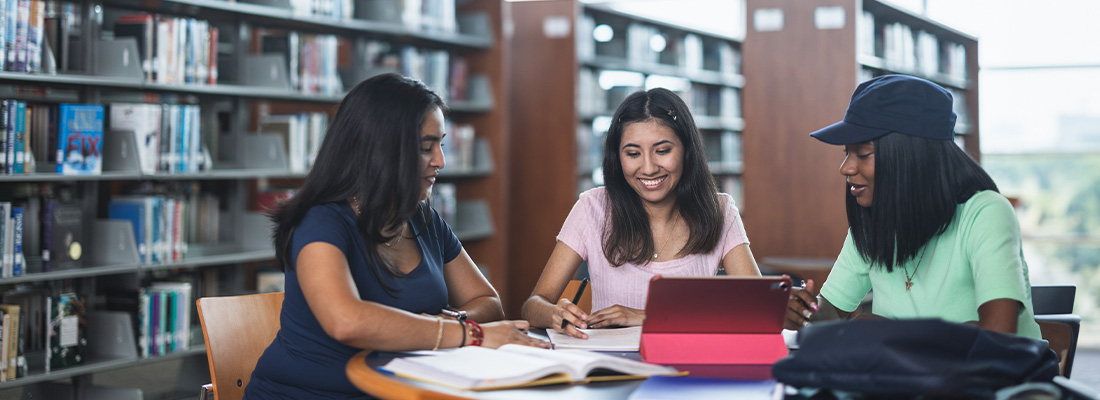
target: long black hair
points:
(919, 183)
(628, 239)
(371, 150)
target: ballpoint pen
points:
(576, 299)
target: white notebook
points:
(613, 339)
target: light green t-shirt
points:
(977, 259)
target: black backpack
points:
(929, 357)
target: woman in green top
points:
(928, 231)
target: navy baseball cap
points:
(893, 103)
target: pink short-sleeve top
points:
(628, 284)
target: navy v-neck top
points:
(303, 361)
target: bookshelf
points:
(243, 161)
(564, 57)
(803, 61)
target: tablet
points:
(716, 304)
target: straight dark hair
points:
(371, 150)
(628, 238)
(919, 183)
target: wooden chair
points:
(1053, 307)
(586, 298)
(236, 329)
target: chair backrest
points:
(1059, 336)
(237, 329)
(1053, 299)
(586, 298)
(1053, 307)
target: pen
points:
(576, 299)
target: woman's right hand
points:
(801, 306)
(500, 333)
(573, 317)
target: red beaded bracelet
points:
(476, 335)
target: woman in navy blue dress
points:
(368, 264)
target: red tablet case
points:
(720, 326)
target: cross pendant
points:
(908, 285)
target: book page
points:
(581, 363)
(475, 368)
(614, 339)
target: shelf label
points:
(767, 19)
(829, 18)
(556, 27)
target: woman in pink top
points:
(659, 213)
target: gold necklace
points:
(909, 279)
(392, 242)
(398, 238)
(667, 237)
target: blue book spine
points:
(134, 212)
(80, 139)
(9, 137)
(17, 242)
(20, 136)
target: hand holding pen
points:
(572, 317)
(801, 306)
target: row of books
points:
(12, 259)
(22, 31)
(161, 223)
(30, 131)
(723, 149)
(902, 48)
(646, 44)
(716, 101)
(173, 50)
(600, 92)
(445, 202)
(41, 332)
(335, 9)
(164, 318)
(458, 146)
(302, 133)
(430, 15)
(168, 137)
(311, 60)
(435, 68)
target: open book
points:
(478, 368)
(613, 339)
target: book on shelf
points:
(144, 121)
(12, 338)
(7, 235)
(479, 368)
(19, 261)
(67, 340)
(5, 340)
(607, 339)
(444, 201)
(270, 281)
(138, 211)
(63, 233)
(80, 139)
(31, 301)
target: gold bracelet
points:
(438, 336)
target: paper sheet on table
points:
(613, 339)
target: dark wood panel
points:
(798, 79)
(542, 148)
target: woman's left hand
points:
(615, 315)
